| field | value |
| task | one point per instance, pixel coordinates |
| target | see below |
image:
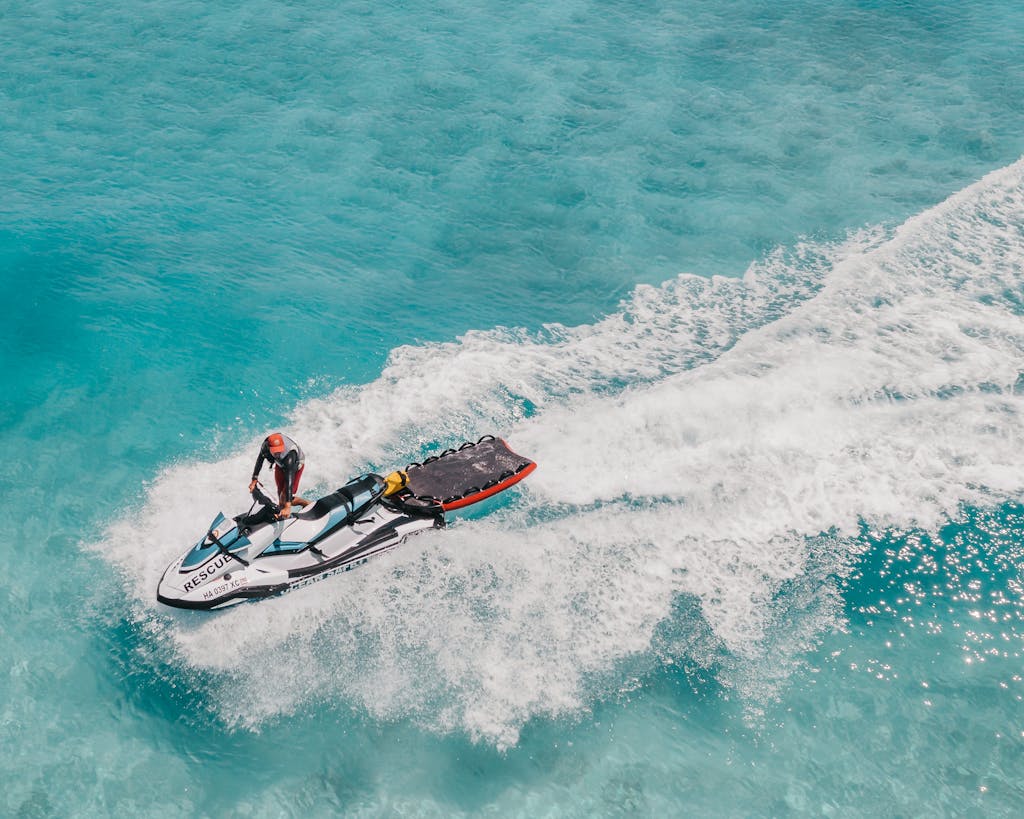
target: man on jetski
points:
(289, 462)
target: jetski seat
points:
(324, 506)
(356, 496)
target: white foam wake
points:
(693, 446)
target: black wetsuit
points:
(288, 466)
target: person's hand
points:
(252, 485)
(286, 510)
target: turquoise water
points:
(744, 279)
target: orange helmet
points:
(276, 443)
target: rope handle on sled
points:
(452, 451)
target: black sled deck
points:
(463, 476)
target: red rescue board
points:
(469, 474)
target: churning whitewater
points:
(712, 445)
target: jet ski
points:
(256, 555)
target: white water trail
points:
(695, 446)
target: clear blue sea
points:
(745, 279)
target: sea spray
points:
(687, 450)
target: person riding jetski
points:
(289, 461)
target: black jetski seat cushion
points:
(356, 497)
(474, 471)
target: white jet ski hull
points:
(242, 563)
(255, 555)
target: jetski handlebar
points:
(260, 498)
(224, 550)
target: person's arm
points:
(291, 467)
(259, 465)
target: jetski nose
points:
(183, 586)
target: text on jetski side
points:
(209, 570)
(224, 588)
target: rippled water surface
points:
(744, 280)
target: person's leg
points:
(295, 488)
(279, 480)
